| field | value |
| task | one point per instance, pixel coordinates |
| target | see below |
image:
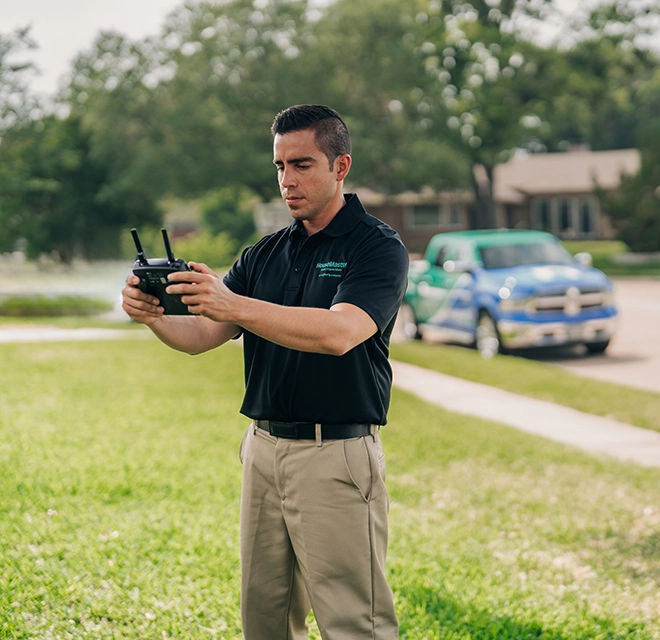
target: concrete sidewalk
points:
(56, 334)
(582, 430)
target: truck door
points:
(458, 311)
(434, 286)
(453, 313)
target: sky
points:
(63, 28)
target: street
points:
(633, 357)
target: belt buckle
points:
(284, 430)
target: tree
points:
(234, 65)
(505, 92)
(16, 103)
(603, 69)
(365, 60)
(54, 192)
(111, 93)
(78, 180)
(635, 208)
(432, 91)
(489, 80)
(230, 210)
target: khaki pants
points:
(314, 535)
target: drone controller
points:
(153, 275)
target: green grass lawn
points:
(119, 489)
(538, 380)
(603, 251)
(67, 322)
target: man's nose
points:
(287, 178)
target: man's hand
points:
(204, 293)
(140, 307)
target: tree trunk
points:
(484, 202)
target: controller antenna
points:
(141, 258)
(168, 248)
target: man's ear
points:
(342, 165)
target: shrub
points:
(44, 306)
(214, 250)
(230, 210)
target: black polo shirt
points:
(356, 259)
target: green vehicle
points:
(505, 290)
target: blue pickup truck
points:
(506, 290)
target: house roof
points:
(562, 173)
(426, 195)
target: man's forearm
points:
(192, 334)
(329, 331)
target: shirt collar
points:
(344, 222)
(347, 217)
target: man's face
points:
(307, 183)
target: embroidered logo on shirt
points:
(331, 269)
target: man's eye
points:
(302, 166)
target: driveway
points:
(633, 357)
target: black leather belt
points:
(307, 430)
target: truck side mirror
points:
(584, 259)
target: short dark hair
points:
(330, 131)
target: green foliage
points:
(430, 91)
(366, 62)
(55, 193)
(217, 251)
(635, 208)
(111, 91)
(44, 306)
(234, 67)
(230, 210)
(120, 518)
(15, 99)
(596, 102)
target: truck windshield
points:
(513, 255)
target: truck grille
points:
(571, 301)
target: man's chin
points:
(298, 213)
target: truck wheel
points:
(487, 340)
(597, 347)
(408, 323)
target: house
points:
(272, 216)
(556, 191)
(416, 216)
(553, 192)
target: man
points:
(316, 304)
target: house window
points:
(565, 222)
(543, 215)
(587, 226)
(455, 218)
(423, 216)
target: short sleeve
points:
(377, 277)
(236, 278)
